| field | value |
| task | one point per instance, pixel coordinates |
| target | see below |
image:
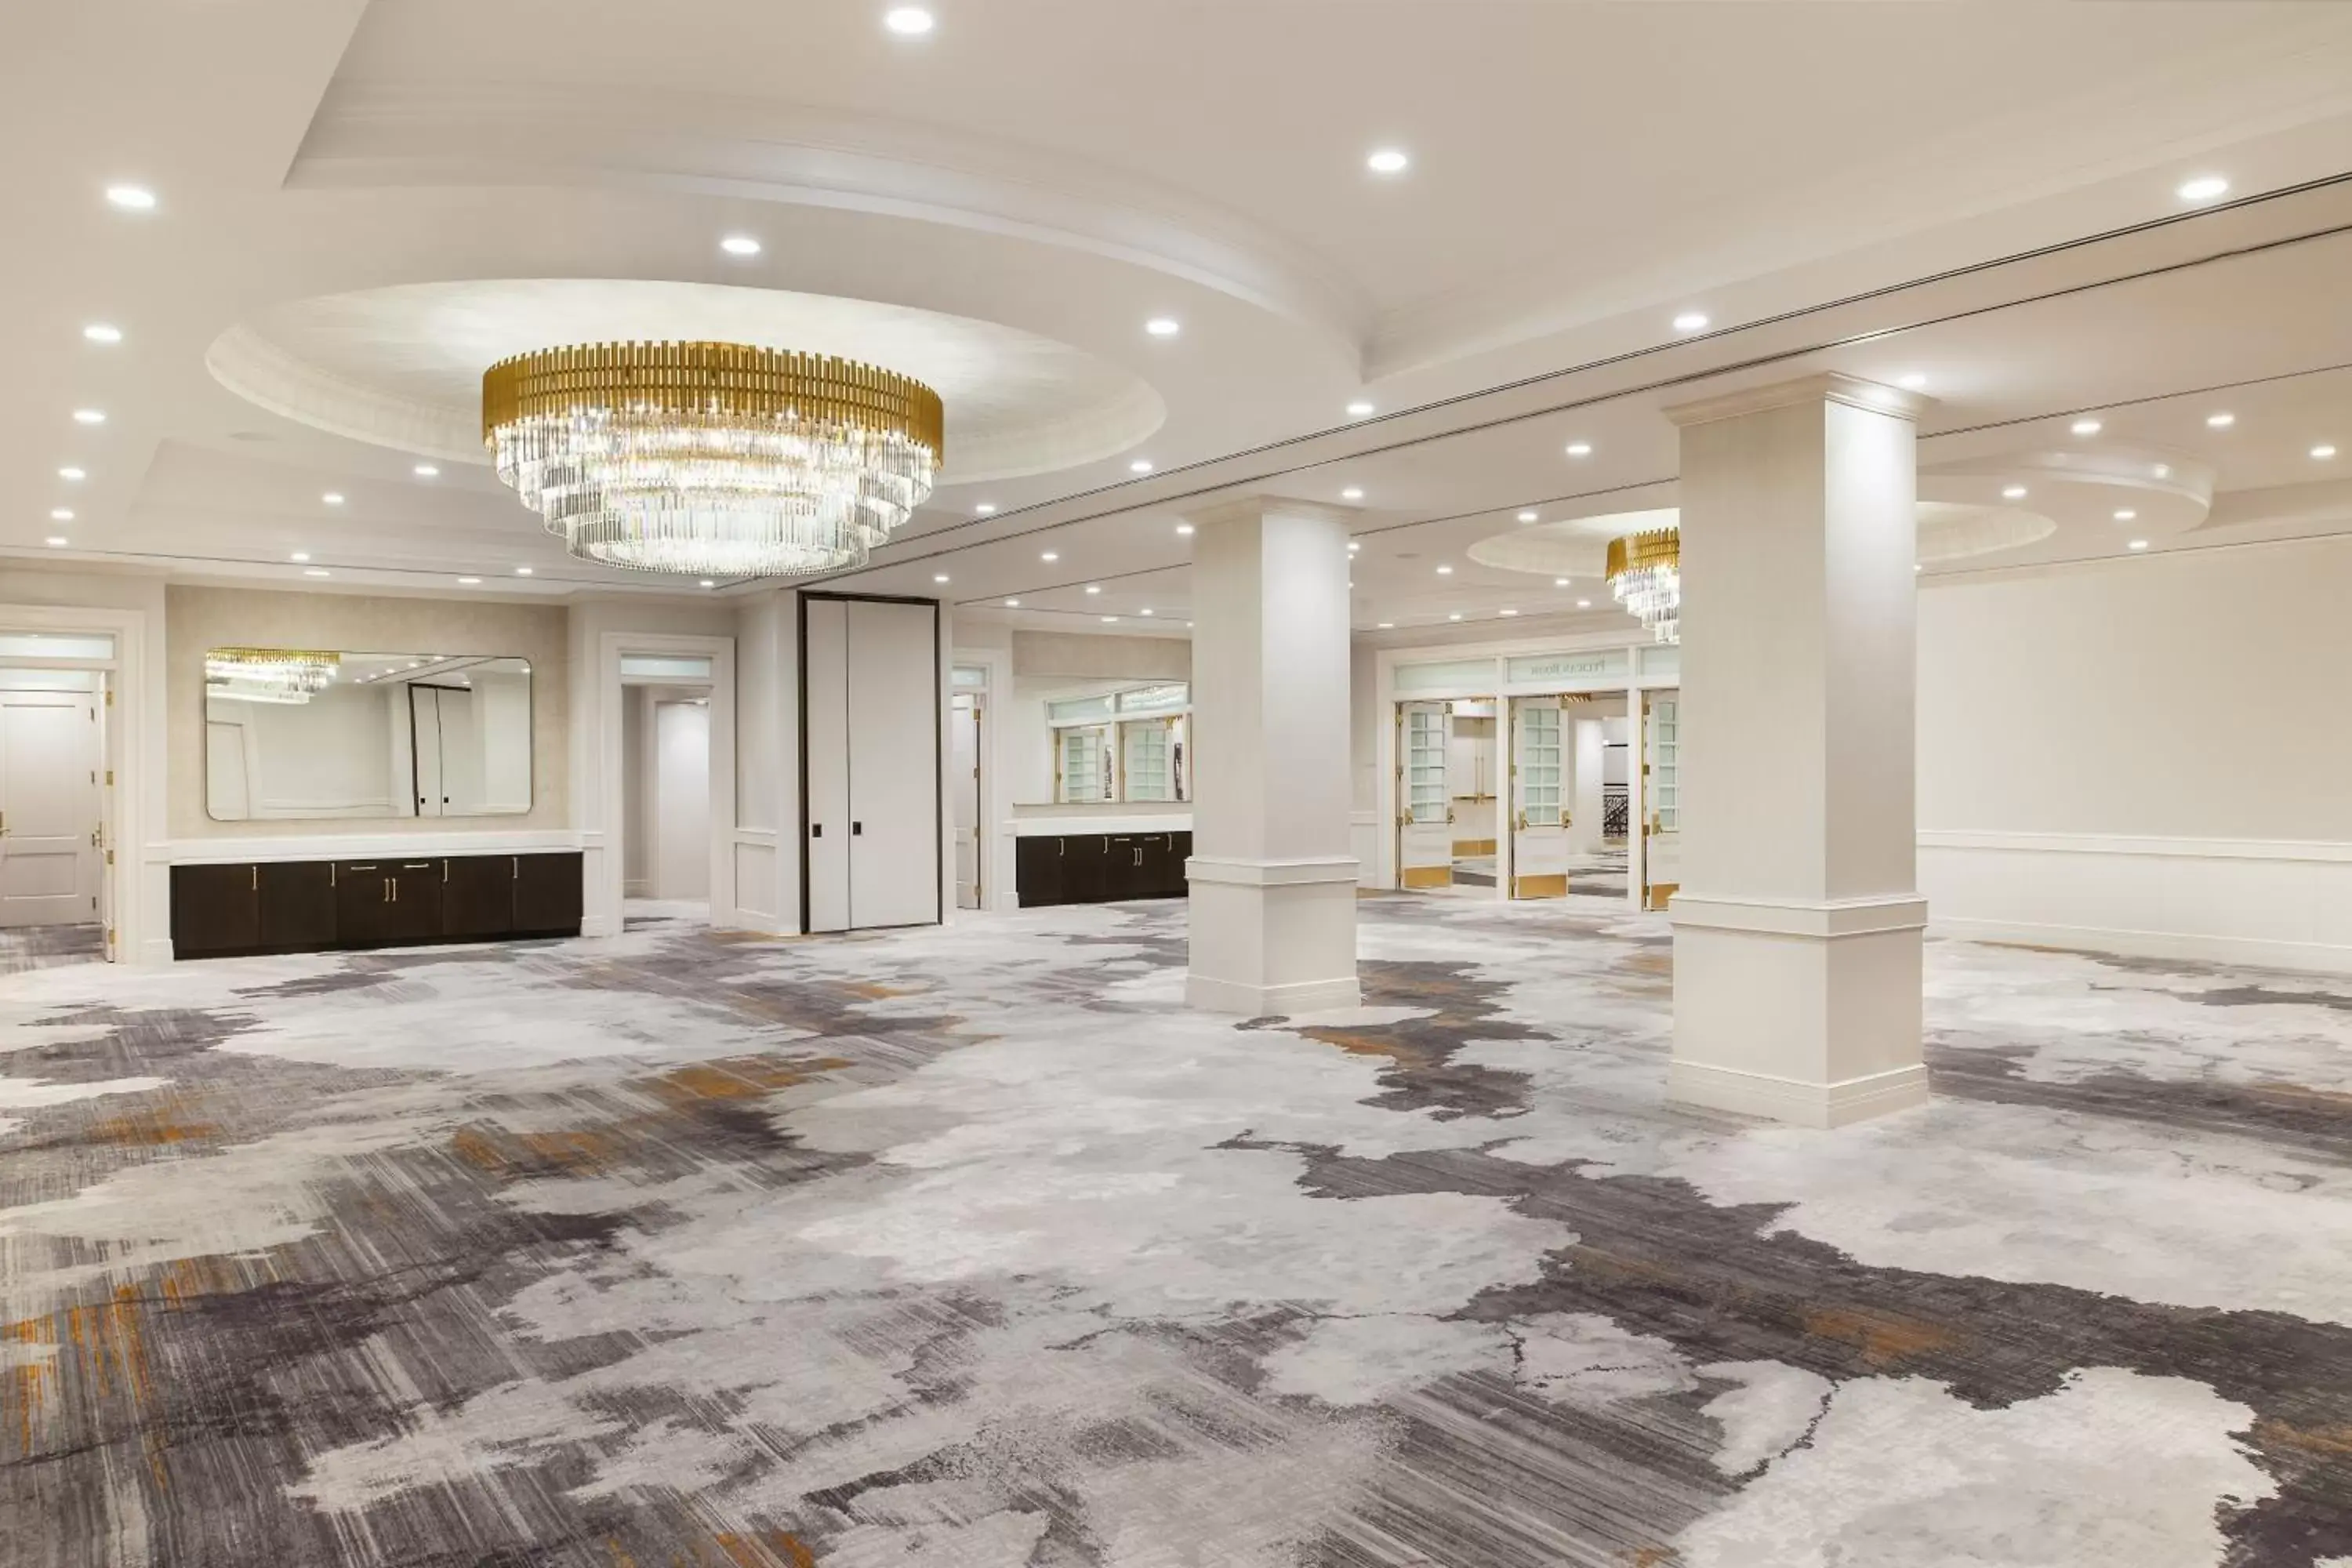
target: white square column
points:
(1798, 927)
(1273, 881)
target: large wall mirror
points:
(293, 733)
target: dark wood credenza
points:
(1099, 867)
(316, 906)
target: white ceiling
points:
(350, 192)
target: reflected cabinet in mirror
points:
(299, 734)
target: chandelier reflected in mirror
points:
(269, 674)
(712, 459)
(1646, 574)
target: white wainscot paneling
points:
(1364, 844)
(756, 891)
(2232, 900)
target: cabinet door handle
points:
(518, 867)
(856, 829)
(445, 870)
(257, 878)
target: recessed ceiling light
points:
(57, 542)
(1527, 517)
(1915, 567)
(2137, 544)
(300, 556)
(2323, 451)
(131, 198)
(2125, 515)
(61, 514)
(1354, 545)
(1387, 161)
(1358, 410)
(73, 476)
(1353, 492)
(1140, 466)
(1094, 587)
(1050, 555)
(2220, 421)
(985, 509)
(1011, 603)
(1146, 612)
(1580, 449)
(1385, 626)
(90, 417)
(1446, 570)
(426, 471)
(908, 21)
(1110, 620)
(2012, 492)
(1506, 612)
(1690, 322)
(470, 582)
(938, 576)
(2162, 470)
(322, 572)
(99, 332)
(333, 498)
(709, 582)
(2203, 188)
(1915, 380)
(1163, 326)
(1560, 582)
(2086, 426)
(1584, 603)
(740, 244)
(1183, 528)
(522, 571)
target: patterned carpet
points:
(969, 1247)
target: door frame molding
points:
(942, 869)
(137, 889)
(603, 860)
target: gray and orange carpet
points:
(971, 1247)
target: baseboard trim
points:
(2262, 952)
(1795, 1100)
(1209, 994)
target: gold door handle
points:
(1523, 822)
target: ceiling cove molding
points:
(268, 376)
(377, 134)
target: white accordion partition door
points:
(871, 728)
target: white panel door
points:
(1424, 809)
(1540, 812)
(826, 748)
(964, 777)
(461, 751)
(48, 808)
(894, 765)
(681, 857)
(1661, 859)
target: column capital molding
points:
(1252, 509)
(1825, 386)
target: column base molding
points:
(1209, 994)
(1793, 1101)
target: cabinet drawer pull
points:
(363, 867)
(417, 866)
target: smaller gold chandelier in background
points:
(269, 674)
(712, 459)
(1646, 574)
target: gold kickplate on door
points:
(1551, 886)
(1428, 877)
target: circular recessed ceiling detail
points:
(1948, 531)
(403, 367)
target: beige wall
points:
(197, 618)
(2191, 694)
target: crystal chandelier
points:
(269, 674)
(1645, 573)
(712, 459)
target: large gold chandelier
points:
(269, 674)
(1646, 574)
(714, 459)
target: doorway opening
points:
(967, 744)
(1449, 816)
(54, 890)
(1596, 747)
(665, 773)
